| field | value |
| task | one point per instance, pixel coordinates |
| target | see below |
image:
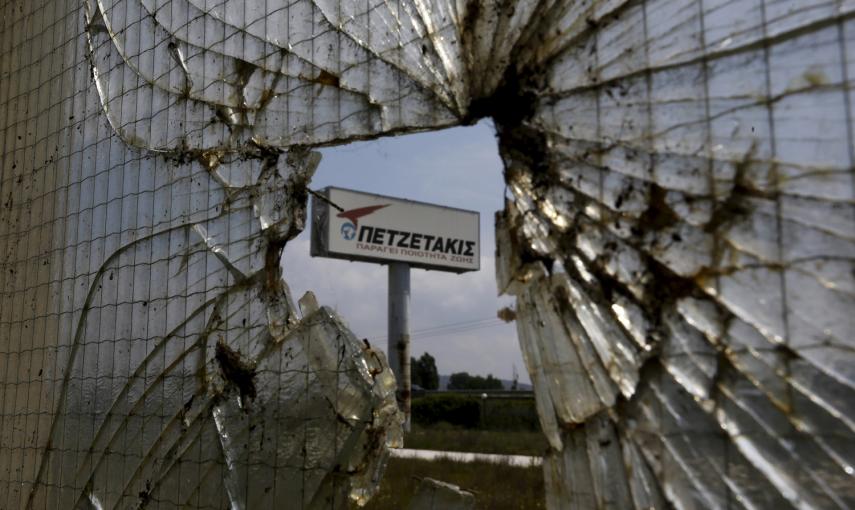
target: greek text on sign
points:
(376, 228)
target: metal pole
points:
(399, 333)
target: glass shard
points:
(679, 232)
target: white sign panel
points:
(361, 226)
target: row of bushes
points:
(470, 411)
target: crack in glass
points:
(678, 233)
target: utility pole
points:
(399, 334)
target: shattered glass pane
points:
(679, 233)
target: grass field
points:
(509, 430)
(496, 486)
(447, 438)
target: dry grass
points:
(447, 438)
(496, 486)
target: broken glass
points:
(678, 232)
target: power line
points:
(446, 333)
(449, 329)
(444, 326)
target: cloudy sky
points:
(451, 316)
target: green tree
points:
(464, 381)
(492, 383)
(424, 373)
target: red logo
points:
(354, 214)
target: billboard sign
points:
(354, 225)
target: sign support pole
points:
(399, 333)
